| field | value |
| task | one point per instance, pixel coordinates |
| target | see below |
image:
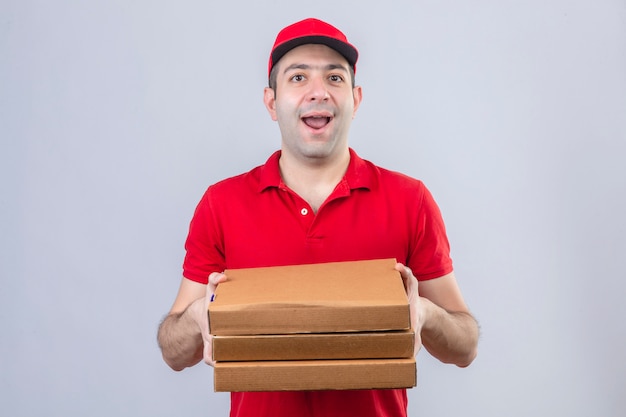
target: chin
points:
(318, 151)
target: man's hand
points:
(415, 303)
(200, 309)
(440, 318)
(184, 336)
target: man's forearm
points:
(451, 337)
(180, 341)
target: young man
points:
(316, 201)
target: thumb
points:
(418, 343)
(208, 350)
(215, 279)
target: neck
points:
(313, 180)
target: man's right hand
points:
(184, 336)
(200, 313)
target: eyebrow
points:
(328, 67)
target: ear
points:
(357, 94)
(269, 98)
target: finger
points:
(418, 344)
(208, 351)
(409, 280)
(404, 271)
(215, 279)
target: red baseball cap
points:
(312, 31)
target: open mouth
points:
(316, 122)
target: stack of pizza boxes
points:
(330, 326)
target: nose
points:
(318, 90)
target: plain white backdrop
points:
(116, 115)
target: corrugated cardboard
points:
(315, 375)
(318, 298)
(372, 345)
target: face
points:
(314, 102)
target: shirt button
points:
(304, 211)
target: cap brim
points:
(346, 50)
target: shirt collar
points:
(358, 174)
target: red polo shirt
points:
(255, 220)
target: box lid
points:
(327, 297)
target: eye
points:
(336, 78)
(297, 78)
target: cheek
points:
(286, 120)
(286, 111)
(349, 110)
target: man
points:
(316, 201)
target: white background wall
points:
(116, 115)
